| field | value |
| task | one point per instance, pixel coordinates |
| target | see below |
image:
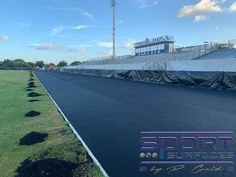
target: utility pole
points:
(113, 4)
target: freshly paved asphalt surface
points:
(109, 114)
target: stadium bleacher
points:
(151, 62)
(220, 54)
(210, 51)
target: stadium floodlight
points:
(113, 4)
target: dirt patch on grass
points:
(31, 84)
(33, 138)
(32, 114)
(34, 100)
(34, 94)
(46, 168)
(29, 90)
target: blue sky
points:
(52, 30)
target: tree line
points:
(21, 64)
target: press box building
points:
(164, 44)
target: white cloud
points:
(201, 9)
(146, 3)
(23, 24)
(129, 45)
(232, 8)
(80, 10)
(60, 29)
(105, 44)
(199, 18)
(46, 46)
(57, 30)
(4, 38)
(77, 49)
(86, 14)
(53, 47)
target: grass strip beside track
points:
(33, 144)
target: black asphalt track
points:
(109, 115)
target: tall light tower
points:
(113, 4)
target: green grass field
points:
(59, 154)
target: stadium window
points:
(161, 47)
(153, 48)
(150, 48)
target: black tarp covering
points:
(214, 80)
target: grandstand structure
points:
(163, 44)
(221, 50)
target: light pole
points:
(113, 4)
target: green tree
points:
(30, 64)
(19, 63)
(7, 64)
(75, 63)
(16, 64)
(39, 64)
(62, 64)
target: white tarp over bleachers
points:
(225, 65)
(128, 66)
(151, 62)
(193, 60)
